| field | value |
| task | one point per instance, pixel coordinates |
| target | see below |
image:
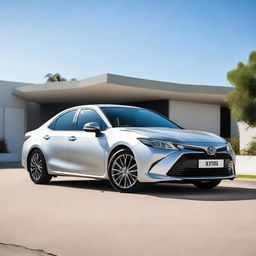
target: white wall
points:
(1, 122)
(195, 116)
(246, 165)
(14, 128)
(246, 135)
(12, 119)
(7, 98)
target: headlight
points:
(229, 147)
(160, 144)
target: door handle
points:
(47, 137)
(72, 138)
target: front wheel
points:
(206, 184)
(37, 168)
(123, 172)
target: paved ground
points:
(86, 217)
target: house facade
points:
(25, 107)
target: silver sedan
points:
(127, 145)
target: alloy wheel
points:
(36, 166)
(124, 171)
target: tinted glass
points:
(136, 117)
(65, 122)
(88, 116)
(52, 126)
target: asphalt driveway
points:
(87, 217)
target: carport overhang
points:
(110, 88)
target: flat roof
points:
(111, 88)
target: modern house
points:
(26, 106)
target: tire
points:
(207, 184)
(123, 173)
(37, 168)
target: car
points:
(127, 145)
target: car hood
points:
(177, 135)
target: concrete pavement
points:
(73, 216)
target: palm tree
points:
(54, 78)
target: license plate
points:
(215, 163)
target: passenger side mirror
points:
(92, 127)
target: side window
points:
(64, 122)
(88, 116)
(52, 125)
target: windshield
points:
(136, 117)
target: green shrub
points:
(235, 144)
(3, 146)
(251, 148)
(242, 99)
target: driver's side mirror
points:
(92, 127)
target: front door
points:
(86, 151)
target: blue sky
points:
(185, 41)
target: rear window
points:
(64, 122)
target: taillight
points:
(26, 137)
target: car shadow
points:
(189, 192)
(169, 190)
(101, 185)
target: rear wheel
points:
(123, 172)
(206, 184)
(37, 168)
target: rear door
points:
(55, 142)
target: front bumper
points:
(183, 166)
(154, 178)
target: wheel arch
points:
(117, 148)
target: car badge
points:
(211, 151)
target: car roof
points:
(92, 106)
(109, 105)
(101, 105)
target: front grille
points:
(187, 166)
(200, 149)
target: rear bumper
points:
(24, 156)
